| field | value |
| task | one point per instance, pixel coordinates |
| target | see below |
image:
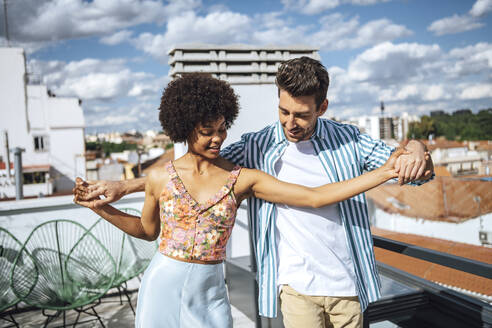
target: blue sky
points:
(416, 55)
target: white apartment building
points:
(49, 128)
(396, 126)
(249, 69)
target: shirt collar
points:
(319, 132)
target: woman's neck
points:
(198, 163)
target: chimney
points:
(19, 191)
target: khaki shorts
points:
(300, 311)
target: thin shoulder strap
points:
(233, 176)
(171, 170)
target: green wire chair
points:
(10, 248)
(131, 255)
(74, 270)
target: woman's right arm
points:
(147, 227)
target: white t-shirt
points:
(312, 247)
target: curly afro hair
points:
(192, 99)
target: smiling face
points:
(298, 115)
(207, 138)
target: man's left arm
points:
(415, 167)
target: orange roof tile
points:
(443, 143)
(443, 199)
(434, 272)
(3, 165)
(441, 171)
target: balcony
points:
(408, 301)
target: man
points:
(321, 260)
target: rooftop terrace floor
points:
(113, 313)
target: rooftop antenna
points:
(6, 23)
(382, 108)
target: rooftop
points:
(434, 272)
(240, 47)
(443, 199)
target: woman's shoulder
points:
(158, 176)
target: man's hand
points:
(417, 165)
(388, 169)
(87, 193)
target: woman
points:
(192, 205)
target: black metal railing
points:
(451, 261)
(429, 305)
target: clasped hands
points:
(415, 164)
(88, 193)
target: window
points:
(34, 177)
(41, 143)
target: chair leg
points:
(49, 318)
(78, 317)
(119, 293)
(10, 319)
(129, 300)
(98, 317)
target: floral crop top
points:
(192, 230)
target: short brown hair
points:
(303, 76)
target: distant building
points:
(49, 128)
(366, 124)
(249, 69)
(395, 127)
(437, 113)
(458, 157)
(462, 112)
(386, 128)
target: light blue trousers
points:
(180, 294)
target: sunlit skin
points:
(298, 115)
(207, 138)
(204, 173)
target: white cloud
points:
(470, 60)
(387, 62)
(462, 23)
(137, 115)
(336, 33)
(477, 91)
(111, 120)
(116, 38)
(94, 79)
(215, 27)
(311, 7)
(48, 21)
(412, 77)
(481, 8)
(434, 92)
(275, 28)
(454, 24)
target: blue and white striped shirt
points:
(344, 153)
